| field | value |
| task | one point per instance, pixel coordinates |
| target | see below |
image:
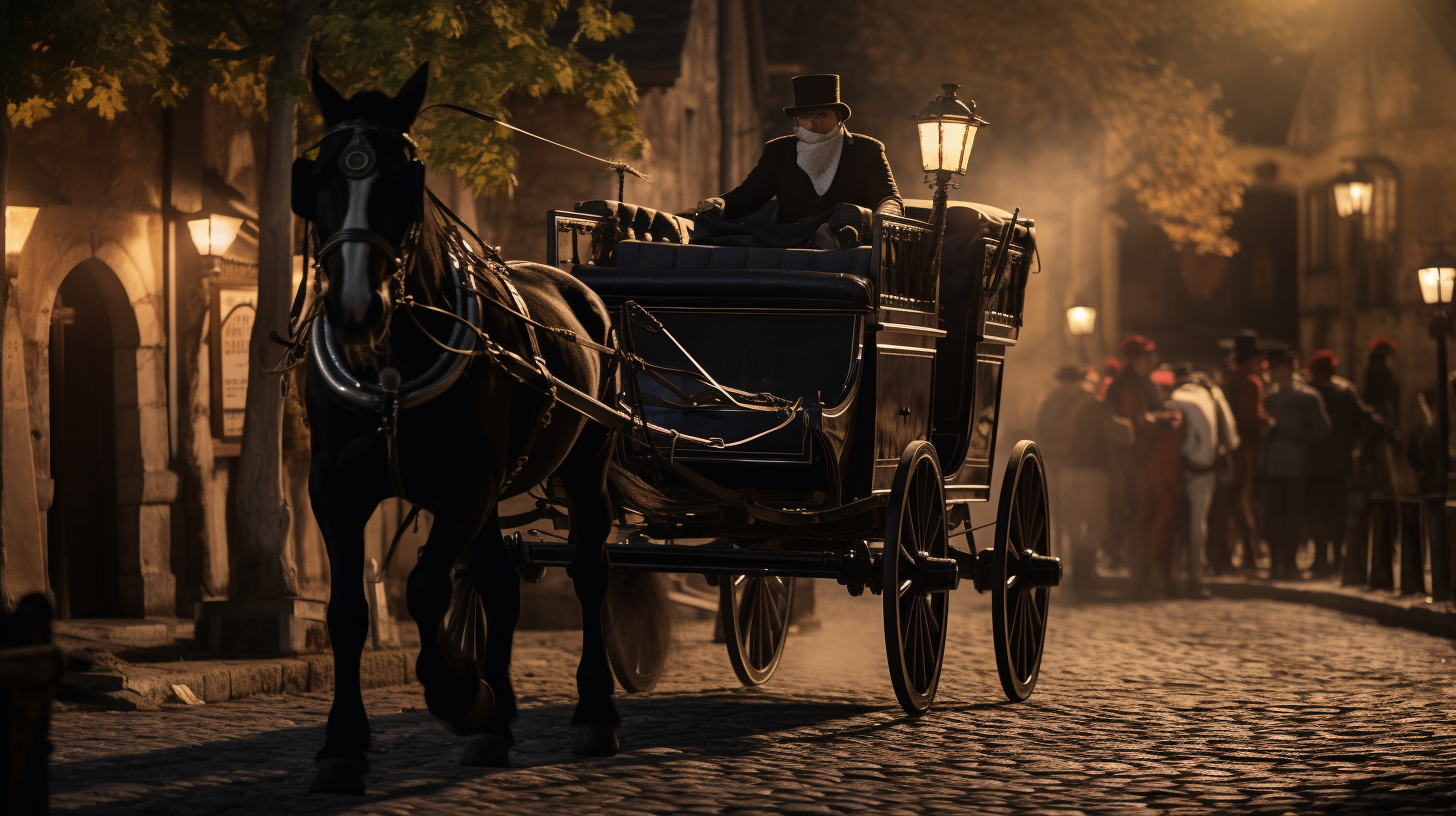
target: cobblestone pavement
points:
(1174, 707)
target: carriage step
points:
(852, 566)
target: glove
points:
(711, 206)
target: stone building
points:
(120, 348)
(1377, 100)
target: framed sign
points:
(231, 327)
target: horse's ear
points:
(411, 96)
(331, 102)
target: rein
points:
(479, 274)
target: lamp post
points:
(1437, 276)
(947, 131)
(1081, 321)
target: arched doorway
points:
(83, 518)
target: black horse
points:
(466, 433)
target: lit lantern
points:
(1437, 276)
(214, 234)
(1081, 320)
(1353, 193)
(18, 223)
(947, 132)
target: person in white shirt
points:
(1209, 438)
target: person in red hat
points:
(1332, 460)
(1154, 484)
(1382, 393)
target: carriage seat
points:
(752, 289)
(637, 255)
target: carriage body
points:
(881, 351)
(893, 371)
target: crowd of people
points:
(1169, 473)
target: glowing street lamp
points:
(1437, 277)
(18, 223)
(947, 131)
(30, 188)
(1081, 320)
(1353, 193)
(214, 234)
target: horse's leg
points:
(342, 514)
(454, 691)
(584, 477)
(500, 590)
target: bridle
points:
(389, 394)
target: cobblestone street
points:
(1175, 707)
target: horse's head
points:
(364, 192)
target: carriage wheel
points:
(1022, 572)
(637, 636)
(754, 610)
(915, 615)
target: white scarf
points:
(819, 155)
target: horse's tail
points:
(629, 491)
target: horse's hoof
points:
(596, 740)
(488, 750)
(478, 717)
(340, 775)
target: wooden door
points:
(82, 520)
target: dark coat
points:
(863, 179)
(1300, 421)
(1351, 420)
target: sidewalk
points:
(141, 664)
(1416, 612)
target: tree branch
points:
(256, 49)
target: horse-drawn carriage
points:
(823, 414)
(811, 413)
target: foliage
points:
(484, 54)
(1097, 78)
(81, 52)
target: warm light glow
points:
(1352, 195)
(946, 144)
(1437, 276)
(1081, 320)
(214, 234)
(18, 223)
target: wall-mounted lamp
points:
(1081, 320)
(30, 188)
(1353, 192)
(215, 233)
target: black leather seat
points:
(650, 255)
(730, 288)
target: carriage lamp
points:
(214, 234)
(947, 132)
(1081, 320)
(1353, 193)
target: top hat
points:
(1246, 346)
(817, 91)
(1070, 373)
(1283, 356)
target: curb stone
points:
(1415, 612)
(146, 686)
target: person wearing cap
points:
(1233, 502)
(1298, 420)
(1072, 430)
(1382, 393)
(1209, 435)
(1137, 399)
(818, 168)
(1332, 459)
